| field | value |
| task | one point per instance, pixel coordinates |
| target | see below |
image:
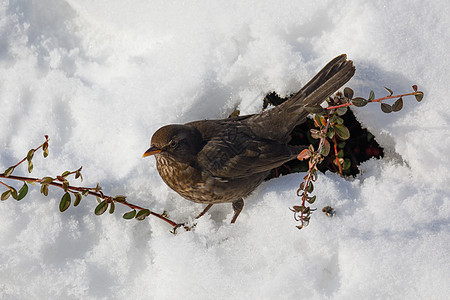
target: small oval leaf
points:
(30, 166)
(22, 192)
(6, 195)
(9, 171)
(77, 199)
(129, 215)
(305, 154)
(30, 155)
(46, 180)
(342, 132)
(120, 198)
(44, 189)
(65, 202)
(398, 105)
(348, 92)
(371, 96)
(142, 214)
(325, 149)
(359, 102)
(112, 208)
(101, 208)
(386, 108)
(419, 96)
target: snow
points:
(99, 77)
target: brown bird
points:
(217, 161)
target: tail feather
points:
(291, 113)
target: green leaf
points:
(340, 153)
(45, 149)
(347, 164)
(359, 102)
(312, 200)
(389, 91)
(112, 208)
(371, 96)
(310, 187)
(30, 155)
(22, 192)
(348, 92)
(46, 180)
(101, 208)
(9, 171)
(419, 96)
(386, 108)
(77, 199)
(85, 192)
(30, 166)
(65, 202)
(65, 173)
(341, 145)
(44, 189)
(342, 132)
(398, 105)
(129, 215)
(142, 214)
(6, 195)
(120, 198)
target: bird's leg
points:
(204, 211)
(237, 207)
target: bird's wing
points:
(235, 153)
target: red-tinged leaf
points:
(9, 171)
(414, 88)
(6, 195)
(325, 149)
(305, 154)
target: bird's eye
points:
(173, 144)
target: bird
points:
(225, 160)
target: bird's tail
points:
(291, 113)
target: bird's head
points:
(182, 142)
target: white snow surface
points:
(99, 77)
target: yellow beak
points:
(152, 150)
